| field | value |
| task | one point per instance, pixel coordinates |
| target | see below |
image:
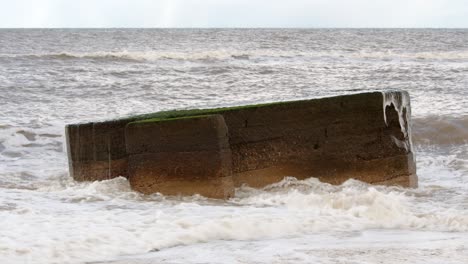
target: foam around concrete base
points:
(363, 136)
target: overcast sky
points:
(234, 13)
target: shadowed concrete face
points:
(363, 136)
(333, 139)
(181, 156)
(96, 151)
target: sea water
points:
(49, 78)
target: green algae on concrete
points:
(189, 113)
(171, 114)
(170, 118)
(333, 138)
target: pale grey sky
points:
(234, 13)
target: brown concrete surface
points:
(96, 151)
(183, 156)
(362, 136)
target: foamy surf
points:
(368, 247)
(46, 217)
(118, 221)
(224, 54)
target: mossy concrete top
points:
(189, 113)
(363, 136)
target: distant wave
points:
(140, 55)
(246, 55)
(440, 130)
(445, 55)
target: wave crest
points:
(223, 54)
(146, 55)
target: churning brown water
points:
(49, 78)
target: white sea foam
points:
(100, 220)
(51, 78)
(400, 102)
(370, 247)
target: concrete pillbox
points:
(364, 136)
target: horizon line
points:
(233, 27)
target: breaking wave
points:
(285, 209)
(245, 55)
(143, 55)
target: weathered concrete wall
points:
(333, 139)
(181, 156)
(363, 136)
(96, 151)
